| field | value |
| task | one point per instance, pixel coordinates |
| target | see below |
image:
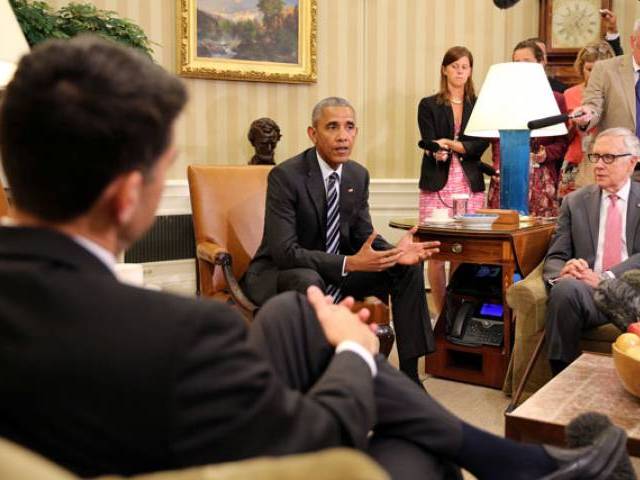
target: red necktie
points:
(612, 254)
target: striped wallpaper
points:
(383, 55)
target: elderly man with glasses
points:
(597, 238)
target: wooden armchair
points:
(4, 203)
(228, 205)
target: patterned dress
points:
(456, 183)
(543, 177)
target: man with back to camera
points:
(596, 238)
(106, 378)
(318, 231)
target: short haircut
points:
(77, 114)
(592, 52)
(629, 138)
(535, 48)
(326, 103)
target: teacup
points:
(440, 213)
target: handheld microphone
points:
(430, 145)
(548, 121)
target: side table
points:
(518, 248)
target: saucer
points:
(438, 221)
(477, 220)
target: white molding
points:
(392, 198)
(175, 198)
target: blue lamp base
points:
(514, 170)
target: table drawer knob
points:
(456, 248)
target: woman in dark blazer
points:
(455, 168)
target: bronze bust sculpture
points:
(264, 135)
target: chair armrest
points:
(528, 299)
(217, 256)
(207, 251)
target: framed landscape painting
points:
(256, 40)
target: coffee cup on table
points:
(440, 213)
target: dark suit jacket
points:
(296, 221)
(102, 377)
(576, 234)
(615, 46)
(557, 85)
(435, 121)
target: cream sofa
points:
(18, 463)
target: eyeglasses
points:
(607, 158)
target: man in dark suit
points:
(300, 247)
(597, 238)
(106, 378)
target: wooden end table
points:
(588, 384)
(520, 247)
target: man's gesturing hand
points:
(414, 252)
(369, 260)
(340, 324)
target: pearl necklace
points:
(457, 101)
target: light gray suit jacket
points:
(611, 94)
(577, 231)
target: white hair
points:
(628, 137)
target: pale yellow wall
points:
(383, 55)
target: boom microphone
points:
(548, 121)
(505, 3)
(430, 145)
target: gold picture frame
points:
(232, 45)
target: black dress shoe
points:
(594, 462)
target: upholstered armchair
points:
(528, 299)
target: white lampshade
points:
(513, 94)
(13, 45)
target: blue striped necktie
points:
(333, 227)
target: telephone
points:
(473, 326)
(463, 315)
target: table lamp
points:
(512, 95)
(12, 43)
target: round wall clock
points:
(574, 23)
(565, 27)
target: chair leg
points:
(386, 335)
(527, 373)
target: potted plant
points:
(40, 22)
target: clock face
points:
(574, 23)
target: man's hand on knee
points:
(340, 324)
